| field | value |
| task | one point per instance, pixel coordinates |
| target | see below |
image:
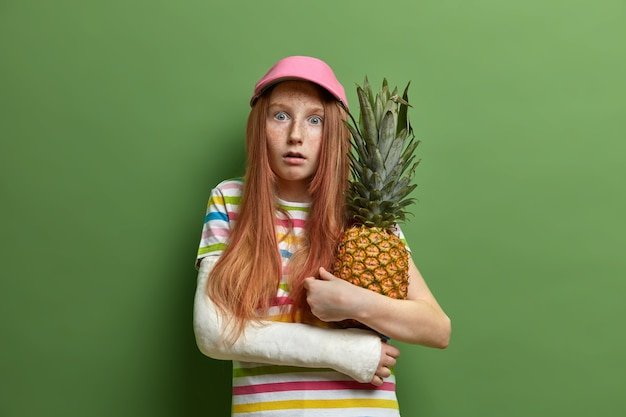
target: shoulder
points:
(226, 196)
(233, 186)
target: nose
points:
(296, 133)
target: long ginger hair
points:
(246, 277)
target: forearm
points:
(409, 321)
(353, 352)
(418, 320)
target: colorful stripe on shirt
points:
(282, 391)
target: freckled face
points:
(294, 127)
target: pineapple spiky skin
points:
(375, 259)
(382, 163)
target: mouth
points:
(294, 157)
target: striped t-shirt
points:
(267, 390)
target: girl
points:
(264, 298)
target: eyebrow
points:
(313, 108)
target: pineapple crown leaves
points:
(383, 158)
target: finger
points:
(389, 361)
(392, 350)
(325, 275)
(377, 381)
(383, 372)
(394, 353)
(307, 283)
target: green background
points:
(118, 116)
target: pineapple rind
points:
(373, 258)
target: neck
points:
(294, 192)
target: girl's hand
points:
(388, 357)
(331, 298)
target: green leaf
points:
(388, 206)
(367, 176)
(358, 141)
(369, 131)
(406, 191)
(388, 190)
(384, 162)
(406, 202)
(395, 153)
(373, 207)
(368, 90)
(384, 90)
(400, 184)
(403, 121)
(410, 149)
(355, 167)
(391, 106)
(378, 164)
(361, 190)
(410, 171)
(375, 195)
(377, 182)
(386, 133)
(378, 110)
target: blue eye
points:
(316, 120)
(280, 116)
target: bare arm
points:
(418, 320)
(356, 353)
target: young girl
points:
(264, 298)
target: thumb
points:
(307, 283)
(325, 275)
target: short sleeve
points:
(220, 215)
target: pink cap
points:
(302, 68)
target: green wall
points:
(117, 117)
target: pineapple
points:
(382, 164)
